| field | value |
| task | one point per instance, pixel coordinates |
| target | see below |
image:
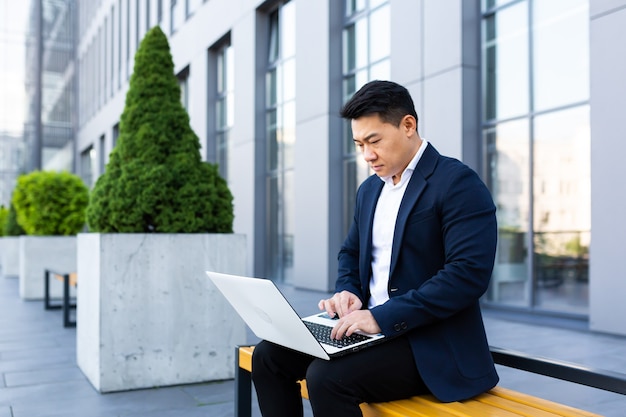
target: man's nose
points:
(368, 154)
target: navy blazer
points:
(441, 263)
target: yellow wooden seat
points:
(500, 402)
(73, 277)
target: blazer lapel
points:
(368, 208)
(414, 189)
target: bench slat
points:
(511, 406)
(541, 404)
(467, 408)
(498, 402)
(61, 278)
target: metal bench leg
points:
(66, 302)
(46, 293)
(243, 390)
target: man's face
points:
(387, 149)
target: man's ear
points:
(409, 124)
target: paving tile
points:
(5, 411)
(43, 376)
(67, 402)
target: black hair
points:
(389, 100)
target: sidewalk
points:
(39, 376)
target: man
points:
(416, 260)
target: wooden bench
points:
(68, 280)
(497, 402)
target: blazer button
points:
(397, 327)
(404, 325)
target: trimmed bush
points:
(50, 203)
(11, 226)
(4, 213)
(155, 180)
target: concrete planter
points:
(147, 314)
(38, 253)
(10, 255)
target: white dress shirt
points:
(383, 229)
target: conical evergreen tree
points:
(155, 180)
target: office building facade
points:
(14, 34)
(526, 92)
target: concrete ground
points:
(39, 376)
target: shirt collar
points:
(409, 168)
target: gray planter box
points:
(38, 253)
(147, 313)
(10, 255)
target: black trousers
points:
(384, 372)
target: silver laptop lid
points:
(266, 311)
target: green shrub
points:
(4, 212)
(50, 203)
(155, 180)
(11, 226)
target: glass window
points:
(489, 4)
(560, 68)
(119, 44)
(538, 151)
(116, 134)
(113, 55)
(224, 107)
(87, 165)
(508, 177)
(193, 6)
(280, 135)
(137, 26)
(101, 154)
(148, 24)
(354, 6)
(366, 50)
(177, 17)
(128, 61)
(380, 36)
(183, 82)
(562, 208)
(105, 49)
(506, 63)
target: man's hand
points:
(342, 303)
(357, 320)
(351, 317)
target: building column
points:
(607, 279)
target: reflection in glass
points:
(380, 39)
(366, 50)
(273, 225)
(87, 166)
(506, 63)
(193, 6)
(488, 4)
(224, 107)
(562, 209)
(177, 17)
(508, 177)
(353, 6)
(561, 54)
(280, 137)
(544, 207)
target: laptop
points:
(270, 316)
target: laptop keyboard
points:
(322, 334)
